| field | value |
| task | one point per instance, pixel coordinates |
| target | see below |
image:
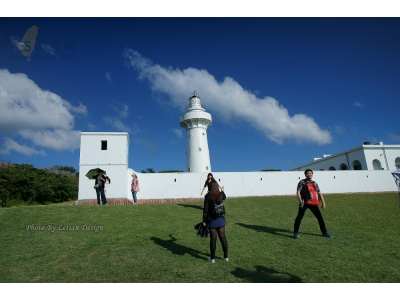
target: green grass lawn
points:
(157, 243)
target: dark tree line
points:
(24, 184)
(151, 170)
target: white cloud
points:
(229, 101)
(394, 138)
(49, 49)
(15, 43)
(56, 139)
(123, 112)
(108, 76)
(340, 129)
(115, 122)
(358, 104)
(91, 126)
(135, 129)
(81, 109)
(37, 115)
(11, 145)
(178, 132)
(121, 109)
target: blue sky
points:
(281, 91)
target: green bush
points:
(26, 185)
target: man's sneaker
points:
(327, 235)
(211, 260)
(296, 235)
(225, 259)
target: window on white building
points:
(103, 145)
(376, 164)
(357, 165)
(332, 168)
(343, 167)
(397, 163)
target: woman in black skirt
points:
(215, 221)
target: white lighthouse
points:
(196, 121)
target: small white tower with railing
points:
(196, 121)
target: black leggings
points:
(317, 213)
(100, 192)
(213, 241)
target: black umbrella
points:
(202, 231)
(93, 172)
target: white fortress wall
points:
(237, 184)
(243, 184)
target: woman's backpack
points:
(219, 210)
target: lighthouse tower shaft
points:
(196, 121)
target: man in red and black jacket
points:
(309, 196)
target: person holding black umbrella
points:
(100, 183)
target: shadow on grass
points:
(177, 249)
(265, 275)
(261, 228)
(191, 206)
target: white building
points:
(107, 151)
(365, 157)
(196, 121)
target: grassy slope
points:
(157, 243)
